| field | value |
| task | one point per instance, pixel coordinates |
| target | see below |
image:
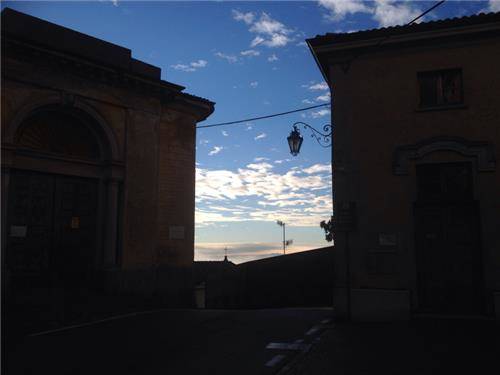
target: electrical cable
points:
(263, 117)
(320, 105)
(427, 11)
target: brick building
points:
(98, 167)
(416, 111)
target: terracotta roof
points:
(477, 19)
(198, 98)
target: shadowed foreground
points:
(421, 346)
(172, 342)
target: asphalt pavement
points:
(416, 347)
(178, 341)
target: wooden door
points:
(51, 229)
(75, 206)
(448, 250)
(29, 227)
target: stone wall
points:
(294, 280)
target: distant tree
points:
(328, 227)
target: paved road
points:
(173, 342)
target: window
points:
(440, 88)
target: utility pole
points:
(282, 224)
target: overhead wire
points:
(263, 117)
(319, 105)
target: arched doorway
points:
(61, 209)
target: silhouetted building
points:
(416, 111)
(98, 167)
(204, 274)
(292, 280)
(204, 269)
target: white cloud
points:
(385, 12)
(272, 58)
(320, 113)
(268, 26)
(230, 58)
(114, 2)
(270, 32)
(338, 9)
(317, 86)
(259, 159)
(199, 64)
(183, 67)
(204, 141)
(250, 52)
(318, 168)
(277, 40)
(225, 133)
(323, 98)
(248, 18)
(249, 126)
(254, 84)
(261, 136)
(389, 13)
(239, 252)
(256, 41)
(262, 166)
(307, 101)
(191, 67)
(494, 6)
(301, 44)
(215, 150)
(303, 198)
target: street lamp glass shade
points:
(295, 141)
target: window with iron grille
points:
(440, 88)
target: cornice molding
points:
(482, 152)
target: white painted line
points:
(312, 331)
(325, 321)
(287, 346)
(88, 324)
(275, 360)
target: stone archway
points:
(61, 186)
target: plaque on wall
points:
(387, 239)
(176, 232)
(75, 222)
(18, 230)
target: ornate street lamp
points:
(295, 139)
(324, 140)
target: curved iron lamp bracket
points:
(323, 139)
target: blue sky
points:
(250, 58)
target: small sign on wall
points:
(75, 222)
(176, 232)
(18, 230)
(387, 239)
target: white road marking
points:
(88, 324)
(275, 360)
(325, 321)
(312, 331)
(287, 346)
